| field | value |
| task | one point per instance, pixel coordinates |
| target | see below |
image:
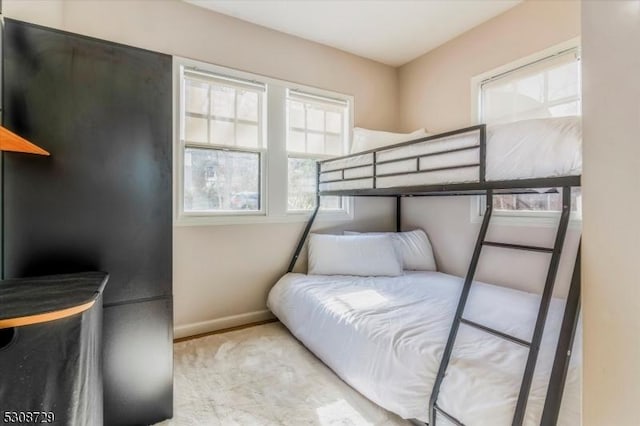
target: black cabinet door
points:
(102, 201)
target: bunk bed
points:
(401, 356)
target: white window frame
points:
(478, 203)
(273, 158)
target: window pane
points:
(334, 145)
(223, 101)
(296, 114)
(315, 118)
(302, 187)
(315, 143)
(564, 81)
(302, 184)
(196, 97)
(531, 88)
(537, 202)
(295, 141)
(248, 106)
(195, 129)
(222, 132)
(323, 122)
(508, 103)
(247, 135)
(334, 122)
(564, 110)
(217, 181)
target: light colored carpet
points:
(263, 376)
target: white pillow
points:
(370, 255)
(365, 139)
(414, 248)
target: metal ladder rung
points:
(496, 333)
(448, 416)
(518, 247)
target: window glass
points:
(217, 180)
(302, 187)
(219, 112)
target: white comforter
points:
(385, 337)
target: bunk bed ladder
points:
(534, 344)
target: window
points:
(316, 129)
(223, 143)
(548, 86)
(247, 145)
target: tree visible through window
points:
(549, 87)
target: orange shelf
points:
(9, 141)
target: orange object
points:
(9, 141)
(45, 317)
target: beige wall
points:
(611, 287)
(49, 13)
(222, 273)
(435, 92)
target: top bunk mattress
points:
(385, 336)
(528, 149)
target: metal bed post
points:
(563, 351)
(483, 153)
(398, 213)
(307, 228)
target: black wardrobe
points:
(102, 201)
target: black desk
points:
(51, 349)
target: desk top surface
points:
(25, 301)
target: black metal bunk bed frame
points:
(488, 188)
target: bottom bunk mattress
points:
(385, 337)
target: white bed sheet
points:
(539, 148)
(385, 337)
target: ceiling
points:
(393, 32)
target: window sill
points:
(211, 220)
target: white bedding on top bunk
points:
(385, 336)
(548, 147)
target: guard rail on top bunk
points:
(421, 168)
(451, 163)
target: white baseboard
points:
(220, 323)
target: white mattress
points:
(539, 148)
(385, 336)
